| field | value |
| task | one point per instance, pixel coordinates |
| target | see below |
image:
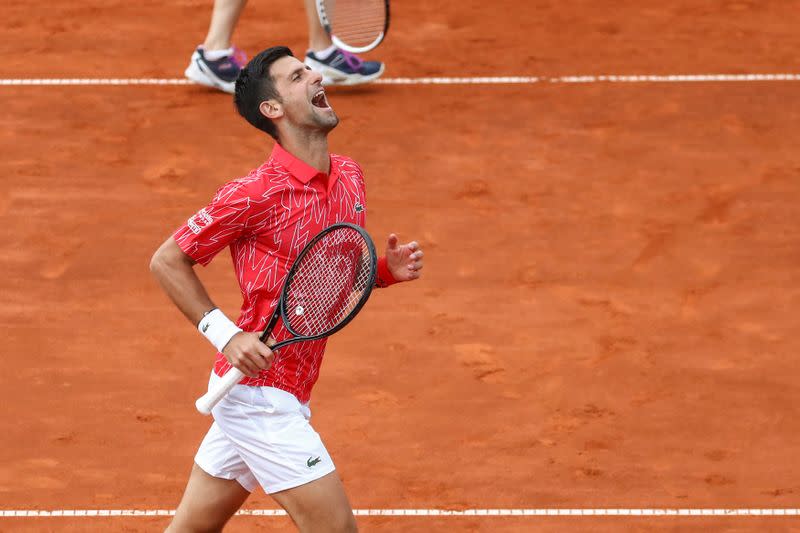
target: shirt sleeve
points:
(217, 225)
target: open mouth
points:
(320, 100)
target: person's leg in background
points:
(223, 21)
(216, 63)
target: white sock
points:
(213, 55)
(325, 54)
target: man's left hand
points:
(404, 261)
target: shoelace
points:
(238, 58)
(352, 60)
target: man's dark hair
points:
(255, 84)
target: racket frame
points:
(325, 21)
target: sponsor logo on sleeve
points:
(199, 221)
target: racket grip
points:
(207, 401)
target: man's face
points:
(303, 99)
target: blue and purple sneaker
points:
(220, 73)
(344, 68)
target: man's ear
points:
(271, 109)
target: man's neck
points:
(312, 150)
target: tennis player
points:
(261, 433)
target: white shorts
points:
(262, 436)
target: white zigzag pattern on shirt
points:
(254, 215)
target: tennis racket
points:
(354, 25)
(328, 284)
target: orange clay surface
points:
(609, 310)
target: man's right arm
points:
(174, 270)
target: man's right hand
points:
(246, 352)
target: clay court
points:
(608, 313)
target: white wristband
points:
(218, 328)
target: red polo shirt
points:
(266, 218)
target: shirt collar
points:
(296, 167)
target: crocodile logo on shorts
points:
(311, 462)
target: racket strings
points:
(328, 283)
(358, 22)
(331, 291)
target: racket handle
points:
(207, 401)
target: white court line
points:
(490, 80)
(421, 512)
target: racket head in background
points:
(329, 282)
(356, 26)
